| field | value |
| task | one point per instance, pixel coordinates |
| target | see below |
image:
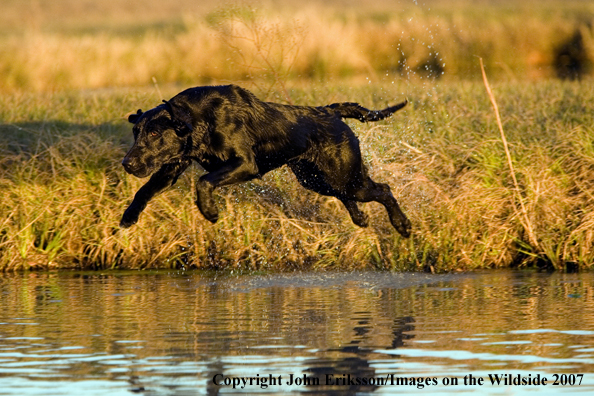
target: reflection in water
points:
(335, 333)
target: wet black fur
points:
(236, 137)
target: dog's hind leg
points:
(312, 178)
(358, 217)
(348, 175)
(380, 192)
(359, 188)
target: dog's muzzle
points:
(135, 169)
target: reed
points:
(63, 190)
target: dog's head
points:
(160, 137)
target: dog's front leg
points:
(159, 181)
(233, 171)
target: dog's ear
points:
(133, 118)
(181, 117)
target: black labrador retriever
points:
(236, 137)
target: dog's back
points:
(243, 103)
(276, 132)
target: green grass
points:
(63, 190)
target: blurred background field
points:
(79, 44)
(71, 70)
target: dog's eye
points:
(154, 134)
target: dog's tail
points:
(355, 110)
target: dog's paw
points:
(127, 224)
(404, 227)
(360, 219)
(209, 211)
(212, 217)
(128, 219)
(206, 203)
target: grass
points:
(63, 44)
(64, 191)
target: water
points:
(193, 333)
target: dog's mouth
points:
(138, 171)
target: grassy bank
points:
(63, 190)
(67, 44)
(70, 70)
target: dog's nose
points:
(127, 164)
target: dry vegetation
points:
(61, 138)
(69, 44)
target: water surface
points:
(190, 333)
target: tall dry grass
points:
(108, 46)
(64, 191)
